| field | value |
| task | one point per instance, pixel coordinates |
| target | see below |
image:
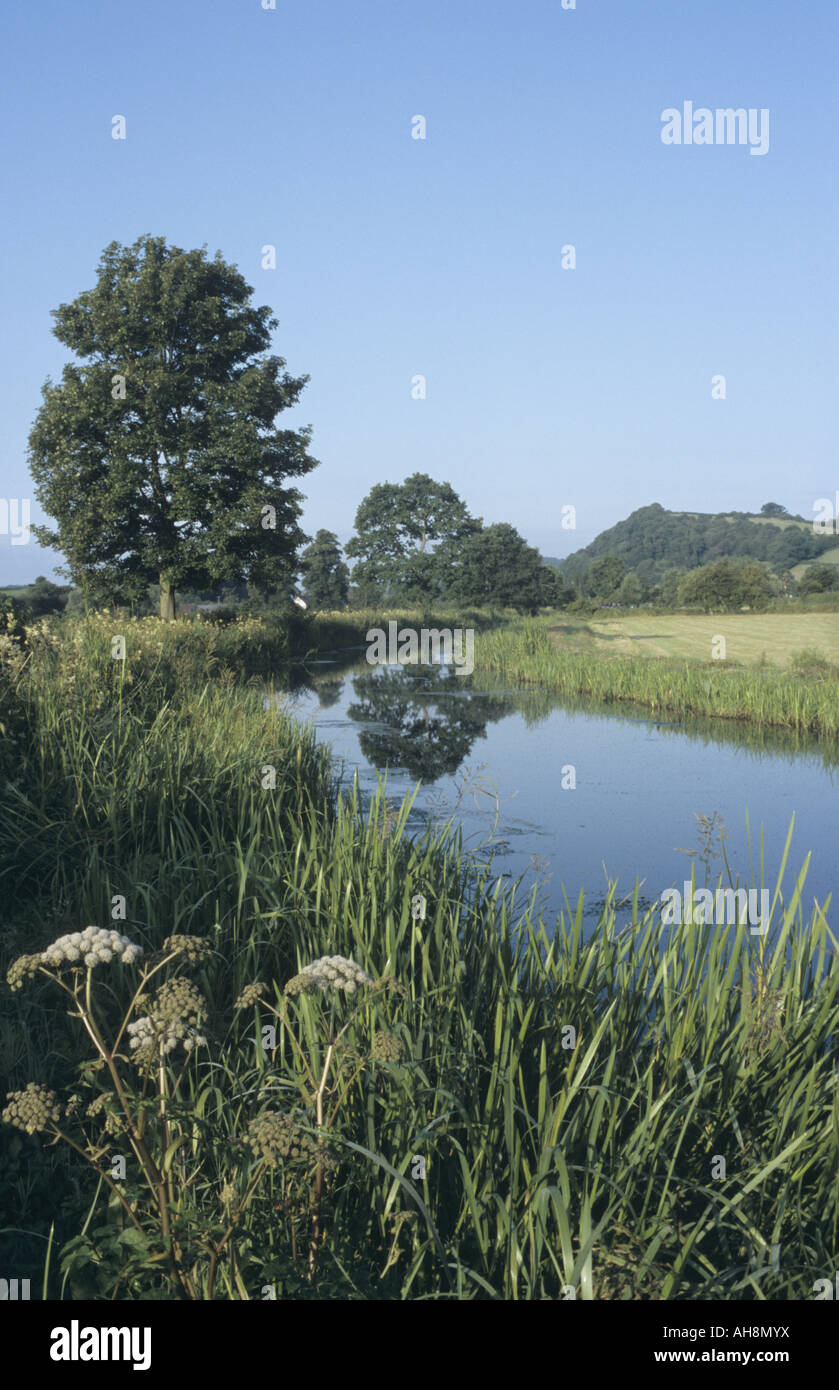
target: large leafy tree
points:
(158, 456)
(496, 566)
(325, 575)
(398, 528)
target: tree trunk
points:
(167, 598)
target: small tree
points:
(606, 576)
(159, 458)
(630, 592)
(668, 589)
(45, 597)
(819, 579)
(325, 575)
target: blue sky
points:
(396, 256)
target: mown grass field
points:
(570, 1097)
(749, 637)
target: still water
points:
(572, 796)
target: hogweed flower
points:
(104, 1104)
(272, 1136)
(94, 946)
(196, 949)
(149, 1038)
(178, 999)
(91, 947)
(329, 972)
(32, 1110)
(387, 1048)
(24, 968)
(251, 994)
(172, 1014)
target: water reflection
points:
(493, 758)
(425, 721)
(415, 718)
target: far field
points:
(828, 557)
(748, 636)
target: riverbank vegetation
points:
(803, 697)
(496, 1110)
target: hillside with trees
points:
(652, 540)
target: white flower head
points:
(94, 945)
(149, 1039)
(338, 973)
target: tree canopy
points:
(398, 528)
(496, 566)
(726, 585)
(159, 457)
(325, 575)
(819, 579)
(606, 576)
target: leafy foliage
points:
(325, 574)
(496, 566)
(551, 1162)
(819, 579)
(158, 455)
(398, 526)
(726, 586)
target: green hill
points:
(652, 540)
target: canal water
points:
(573, 796)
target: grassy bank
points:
(806, 701)
(570, 1099)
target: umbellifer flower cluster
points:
(274, 1136)
(33, 1109)
(330, 972)
(176, 1007)
(194, 948)
(103, 1104)
(22, 969)
(387, 1048)
(93, 946)
(251, 994)
(147, 1038)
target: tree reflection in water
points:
(421, 719)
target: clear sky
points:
(442, 257)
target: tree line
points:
(159, 458)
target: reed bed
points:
(570, 1096)
(764, 696)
